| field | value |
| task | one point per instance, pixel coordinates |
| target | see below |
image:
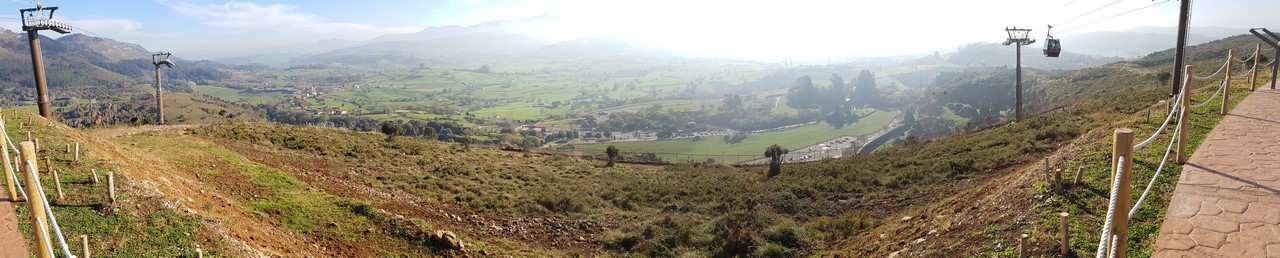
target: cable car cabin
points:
(1052, 47)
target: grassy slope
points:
(754, 145)
(137, 225)
(852, 205)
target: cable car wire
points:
(1087, 13)
(1113, 16)
(1045, 13)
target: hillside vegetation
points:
(255, 188)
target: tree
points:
(775, 152)
(835, 96)
(865, 91)
(1163, 78)
(612, 152)
(392, 129)
(802, 94)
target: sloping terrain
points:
(261, 189)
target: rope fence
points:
(40, 208)
(1112, 241)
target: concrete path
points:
(11, 242)
(1227, 202)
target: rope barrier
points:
(1220, 69)
(1105, 240)
(1221, 86)
(1164, 159)
(62, 241)
(1245, 60)
(38, 189)
(1167, 119)
(16, 181)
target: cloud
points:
(236, 16)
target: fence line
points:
(1114, 235)
(35, 197)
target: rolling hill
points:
(252, 188)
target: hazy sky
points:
(203, 29)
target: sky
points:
(731, 28)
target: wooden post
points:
(1123, 147)
(77, 152)
(28, 135)
(1182, 120)
(57, 184)
(9, 177)
(84, 245)
(68, 148)
(1022, 246)
(1254, 77)
(35, 199)
(1047, 178)
(111, 186)
(37, 146)
(1066, 242)
(1079, 172)
(1226, 87)
(199, 253)
(95, 175)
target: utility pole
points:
(34, 20)
(1018, 37)
(160, 58)
(1183, 16)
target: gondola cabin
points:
(1052, 47)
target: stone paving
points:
(11, 242)
(1227, 202)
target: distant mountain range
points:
(77, 65)
(506, 40)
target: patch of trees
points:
(443, 130)
(835, 103)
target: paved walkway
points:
(1227, 202)
(11, 242)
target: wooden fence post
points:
(1123, 147)
(95, 175)
(77, 152)
(199, 253)
(1079, 172)
(1066, 241)
(9, 177)
(84, 245)
(1226, 88)
(35, 199)
(1182, 118)
(1254, 80)
(111, 186)
(1047, 178)
(57, 184)
(1022, 246)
